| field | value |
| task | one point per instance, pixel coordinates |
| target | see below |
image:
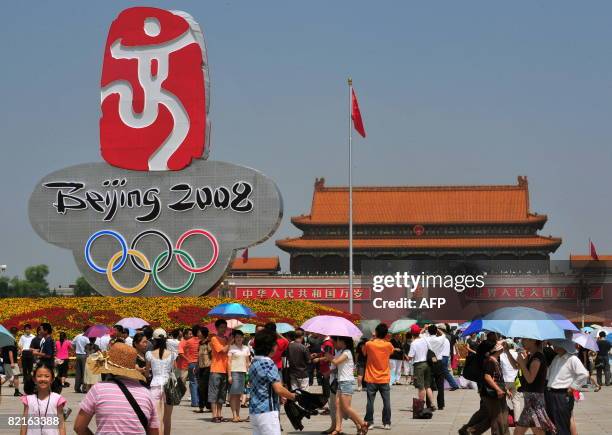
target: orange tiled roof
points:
(421, 205)
(423, 243)
(256, 263)
(587, 262)
(574, 257)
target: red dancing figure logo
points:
(155, 90)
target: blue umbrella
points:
(231, 310)
(6, 338)
(609, 337)
(281, 328)
(587, 329)
(564, 323)
(518, 322)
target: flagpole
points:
(350, 171)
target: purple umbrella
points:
(97, 331)
(585, 340)
(332, 325)
(132, 322)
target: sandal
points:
(598, 388)
(216, 420)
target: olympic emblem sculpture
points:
(156, 185)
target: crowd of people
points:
(523, 383)
(534, 382)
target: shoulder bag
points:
(135, 406)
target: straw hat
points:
(120, 360)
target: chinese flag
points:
(356, 115)
(245, 255)
(594, 255)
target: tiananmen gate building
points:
(489, 224)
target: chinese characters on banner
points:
(511, 293)
(305, 293)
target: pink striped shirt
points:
(113, 412)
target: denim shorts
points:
(346, 387)
(217, 388)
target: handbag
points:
(490, 392)
(333, 387)
(433, 361)
(174, 390)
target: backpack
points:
(472, 371)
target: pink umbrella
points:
(585, 340)
(213, 330)
(332, 325)
(97, 331)
(234, 323)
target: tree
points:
(34, 284)
(83, 288)
(4, 286)
(36, 280)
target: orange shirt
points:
(377, 369)
(219, 358)
(181, 363)
(190, 349)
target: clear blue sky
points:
(451, 93)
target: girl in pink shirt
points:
(43, 411)
(62, 347)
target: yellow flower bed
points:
(70, 314)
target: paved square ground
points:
(594, 415)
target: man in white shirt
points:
(27, 357)
(422, 371)
(436, 342)
(565, 372)
(515, 399)
(103, 342)
(78, 345)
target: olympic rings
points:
(161, 284)
(142, 263)
(168, 245)
(93, 237)
(215, 246)
(119, 287)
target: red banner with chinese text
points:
(304, 293)
(527, 292)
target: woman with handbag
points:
(160, 362)
(494, 392)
